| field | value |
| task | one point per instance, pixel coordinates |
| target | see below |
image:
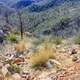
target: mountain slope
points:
(22, 3)
(5, 9)
(48, 17)
(47, 4)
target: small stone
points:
(75, 58)
(58, 46)
(18, 60)
(16, 76)
(7, 65)
(73, 52)
(4, 70)
(49, 65)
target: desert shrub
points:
(12, 38)
(42, 55)
(20, 47)
(77, 39)
(14, 69)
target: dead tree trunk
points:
(21, 25)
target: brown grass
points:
(42, 55)
(20, 47)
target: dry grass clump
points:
(20, 47)
(44, 53)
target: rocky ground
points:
(67, 55)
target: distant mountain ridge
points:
(22, 3)
(37, 3)
(40, 5)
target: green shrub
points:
(12, 38)
(14, 68)
(77, 39)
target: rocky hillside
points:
(40, 40)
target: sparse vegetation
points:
(14, 69)
(77, 39)
(57, 40)
(12, 38)
(53, 40)
(38, 42)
